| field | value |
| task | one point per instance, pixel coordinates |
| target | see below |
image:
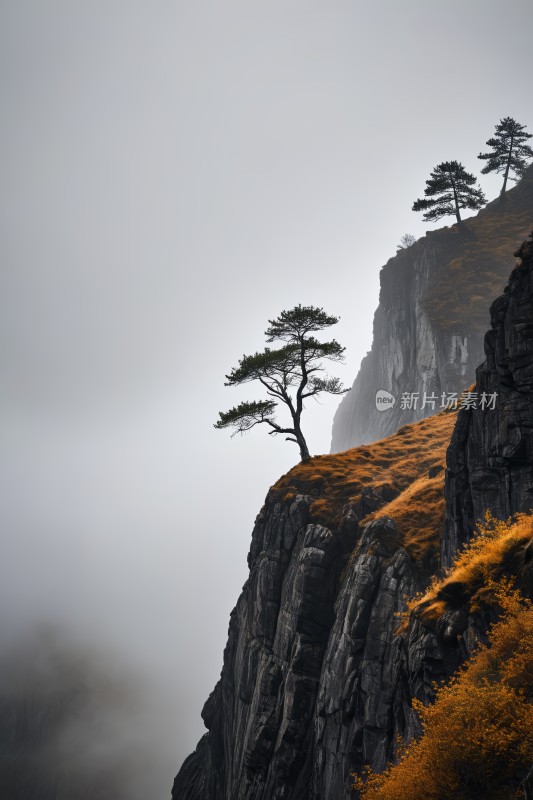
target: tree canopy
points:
(290, 374)
(406, 241)
(509, 152)
(449, 189)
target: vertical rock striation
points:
(310, 688)
(410, 352)
(490, 460)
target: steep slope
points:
(490, 462)
(319, 671)
(287, 658)
(432, 315)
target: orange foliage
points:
(477, 737)
(493, 551)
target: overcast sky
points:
(174, 174)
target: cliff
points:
(319, 671)
(431, 317)
(490, 461)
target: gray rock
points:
(490, 458)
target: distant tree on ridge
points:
(406, 241)
(449, 189)
(509, 152)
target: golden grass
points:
(397, 467)
(490, 555)
(419, 514)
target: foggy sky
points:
(174, 174)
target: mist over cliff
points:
(171, 174)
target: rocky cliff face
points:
(409, 353)
(490, 461)
(317, 678)
(309, 685)
(431, 318)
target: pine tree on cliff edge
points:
(509, 152)
(449, 189)
(290, 374)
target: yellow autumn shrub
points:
(477, 565)
(477, 739)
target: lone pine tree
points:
(291, 374)
(449, 189)
(509, 152)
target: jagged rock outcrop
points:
(309, 685)
(431, 318)
(317, 678)
(260, 714)
(363, 697)
(490, 460)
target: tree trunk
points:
(502, 193)
(302, 444)
(456, 201)
(305, 455)
(304, 450)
